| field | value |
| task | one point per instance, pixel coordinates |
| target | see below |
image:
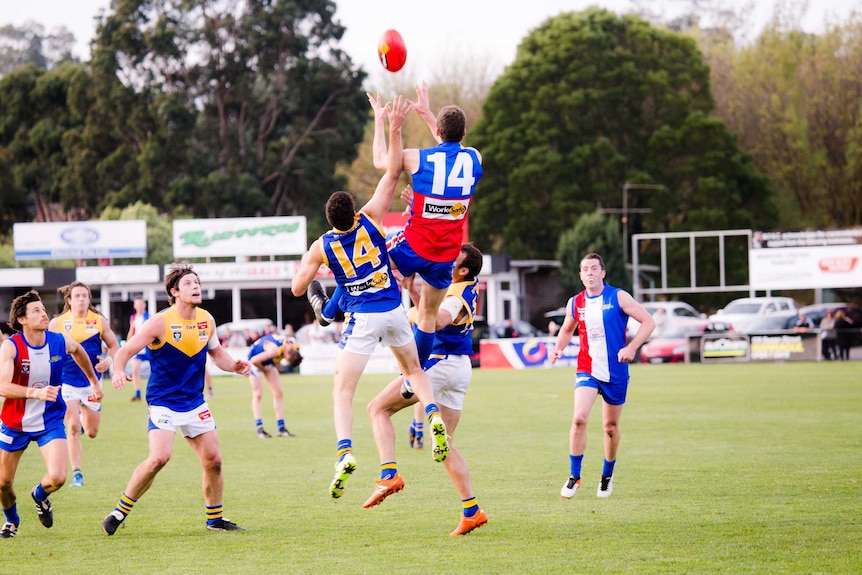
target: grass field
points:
(750, 468)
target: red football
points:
(392, 51)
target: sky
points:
(434, 32)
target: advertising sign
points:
(232, 237)
(806, 260)
(80, 240)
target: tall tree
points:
(30, 44)
(274, 104)
(594, 100)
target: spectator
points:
(828, 336)
(803, 324)
(844, 332)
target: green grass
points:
(750, 468)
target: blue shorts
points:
(436, 274)
(14, 440)
(612, 393)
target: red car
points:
(671, 344)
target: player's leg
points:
(161, 443)
(74, 423)
(136, 378)
(430, 298)
(254, 379)
(610, 426)
(348, 368)
(54, 452)
(417, 428)
(380, 411)
(408, 362)
(8, 498)
(585, 397)
(273, 380)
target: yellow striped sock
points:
(214, 512)
(125, 504)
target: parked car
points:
(773, 321)
(673, 310)
(740, 313)
(671, 343)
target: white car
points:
(741, 313)
(672, 311)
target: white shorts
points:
(449, 380)
(190, 423)
(363, 331)
(72, 393)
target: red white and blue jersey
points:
(454, 339)
(602, 332)
(178, 361)
(37, 367)
(360, 264)
(87, 331)
(443, 186)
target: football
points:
(392, 51)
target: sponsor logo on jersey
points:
(444, 209)
(202, 325)
(204, 415)
(378, 280)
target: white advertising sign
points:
(22, 277)
(231, 237)
(243, 271)
(80, 240)
(806, 260)
(118, 275)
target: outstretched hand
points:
(397, 110)
(422, 103)
(376, 105)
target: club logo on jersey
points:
(582, 314)
(25, 366)
(178, 335)
(67, 326)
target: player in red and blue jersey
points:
(599, 313)
(83, 323)
(31, 374)
(355, 251)
(444, 181)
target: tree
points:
(793, 98)
(35, 125)
(160, 233)
(29, 44)
(592, 101)
(230, 108)
(593, 232)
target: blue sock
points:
(608, 468)
(214, 513)
(418, 427)
(331, 308)
(280, 424)
(39, 493)
(12, 514)
(424, 343)
(138, 393)
(575, 465)
(345, 446)
(470, 506)
(431, 410)
(388, 470)
(258, 423)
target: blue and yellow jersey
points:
(454, 339)
(260, 345)
(178, 361)
(87, 331)
(360, 264)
